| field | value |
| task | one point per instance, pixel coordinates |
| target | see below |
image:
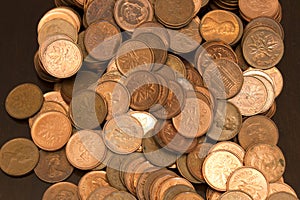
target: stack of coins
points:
(152, 99)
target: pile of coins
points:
(153, 99)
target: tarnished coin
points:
(234, 195)
(113, 172)
(188, 195)
(51, 130)
(62, 65)
(220, 25)
(266, 56)
(176, 65)
(90, 182)
(102, 40)
(231, 147)
(258, 129)
(101, 193)
(252, 97)
(193, 76)
(281, 187)
(123, 134)
(62, 190)
(172, 191)
(182, 167)
(120, 195)
(53, 166)
(18, 156)
(24, 101)
(99, 10)
(134, 55)
(174, 14)
(140, 11)
(249, 180)
(282, 196)
(266, 158)
(241, 60)
(227, 122)
(85, 149)
(218, 166)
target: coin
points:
(56, 96)
(123, 128)
(102, 40)
(220, 25)
(53, 167)
(282, 196)
(172, 191)
(99, 10)
(181, 164)
(218, 166)
(231, 147)
(85, 149)
(90, 182)
(18, 156)
(69, 63)
(51, 130)
(212, 194)
(277, 78)
(281, 187)
(120, 195)
(174, 14)
(113, 172)
(177, 65)
(189, 195)
(147, 120)
(258, 129)
(156, 184)
(266, 158)
(250, 181)
(193, 76)
(233, 195)
(241, 60)
(101, 193)
(61, 190)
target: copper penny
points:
(113, 172)
(51, 130)
(258, 129)
(99, 10)
(90, 182)
(120, 195)
(85, 149)
(231, 147)
(53, 166)
(56, 96)
(193, 76)
(235, 194)
(174, 190)
(62, 190)
(123, 134)
(176, 64)
(241, 60)
(188, 195)
(181, 164)
(277, 78)
(281, 187)
(218, 166)
(147, 120)
(253, 9)
(266, 158)
(282, 196)
(249, 180)
(212, 194)
(157, 183)
(101, 193)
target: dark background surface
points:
(18, 21)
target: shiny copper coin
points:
(188, 195)
(282, 196)
(102, 40)
(99, 10)
(24, 101)
(253, 9)
(258, 129)
(212, 194)
(281, 187)
(174, 13)
(90, 182)
(277, 78)
(56, 96)
(53, 166)
(51, 130)
(123, 134)
(62, 190)
(176, 65)
(101, 193)
(235, 194)
(120, 195)
(218, 166)
(266, 158)
(85, 149)
(18, 156)
(250, 181)
(156, 185)
(231, 147)
(143, 88)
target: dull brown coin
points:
(62, 190)
(101, 193)
(266, 158)
(235, 194)
(172, 191)
(281, 187)
(24, 101)
(174, 14)
(212, 194)
(120, 195)
(218, 166)
(220, 25)
(251, 181)
(282, 196)
(99, 10)
(141, 11)
(18, 156)
(51, 130)
(156, 184)
(90, 182)
(224, 78)
(102, 40)
(123, 134)
(258, 129)
(193, 76)
(143, 88)
(181, 164)
(241, 60)
(188, 195)
(227, 122)
(113, 172)
(53, 166)
(231, 147)
(85, 149)
(133, 55)
(140, 184)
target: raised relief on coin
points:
(131, 13)
(252, 97)
(62, 190)
(256, 8)
(51, 130)
(235, 195)
(263, 48)
(266, 158)
(62, 59)
(277, 78)
(249, 180)
(281, 187)
(218, 166)
(99, 10)
(231, 147)
(101, 193)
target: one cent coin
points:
(281, 187)
(174, 190)
(101, 193)
(99, 10)
(120, 195)
(233, 195)
(188, 195)
(282, 196)
(254, 9)
(18, 156)
(62, 190)
(24, 101)
(231, 147)
(182, 167)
